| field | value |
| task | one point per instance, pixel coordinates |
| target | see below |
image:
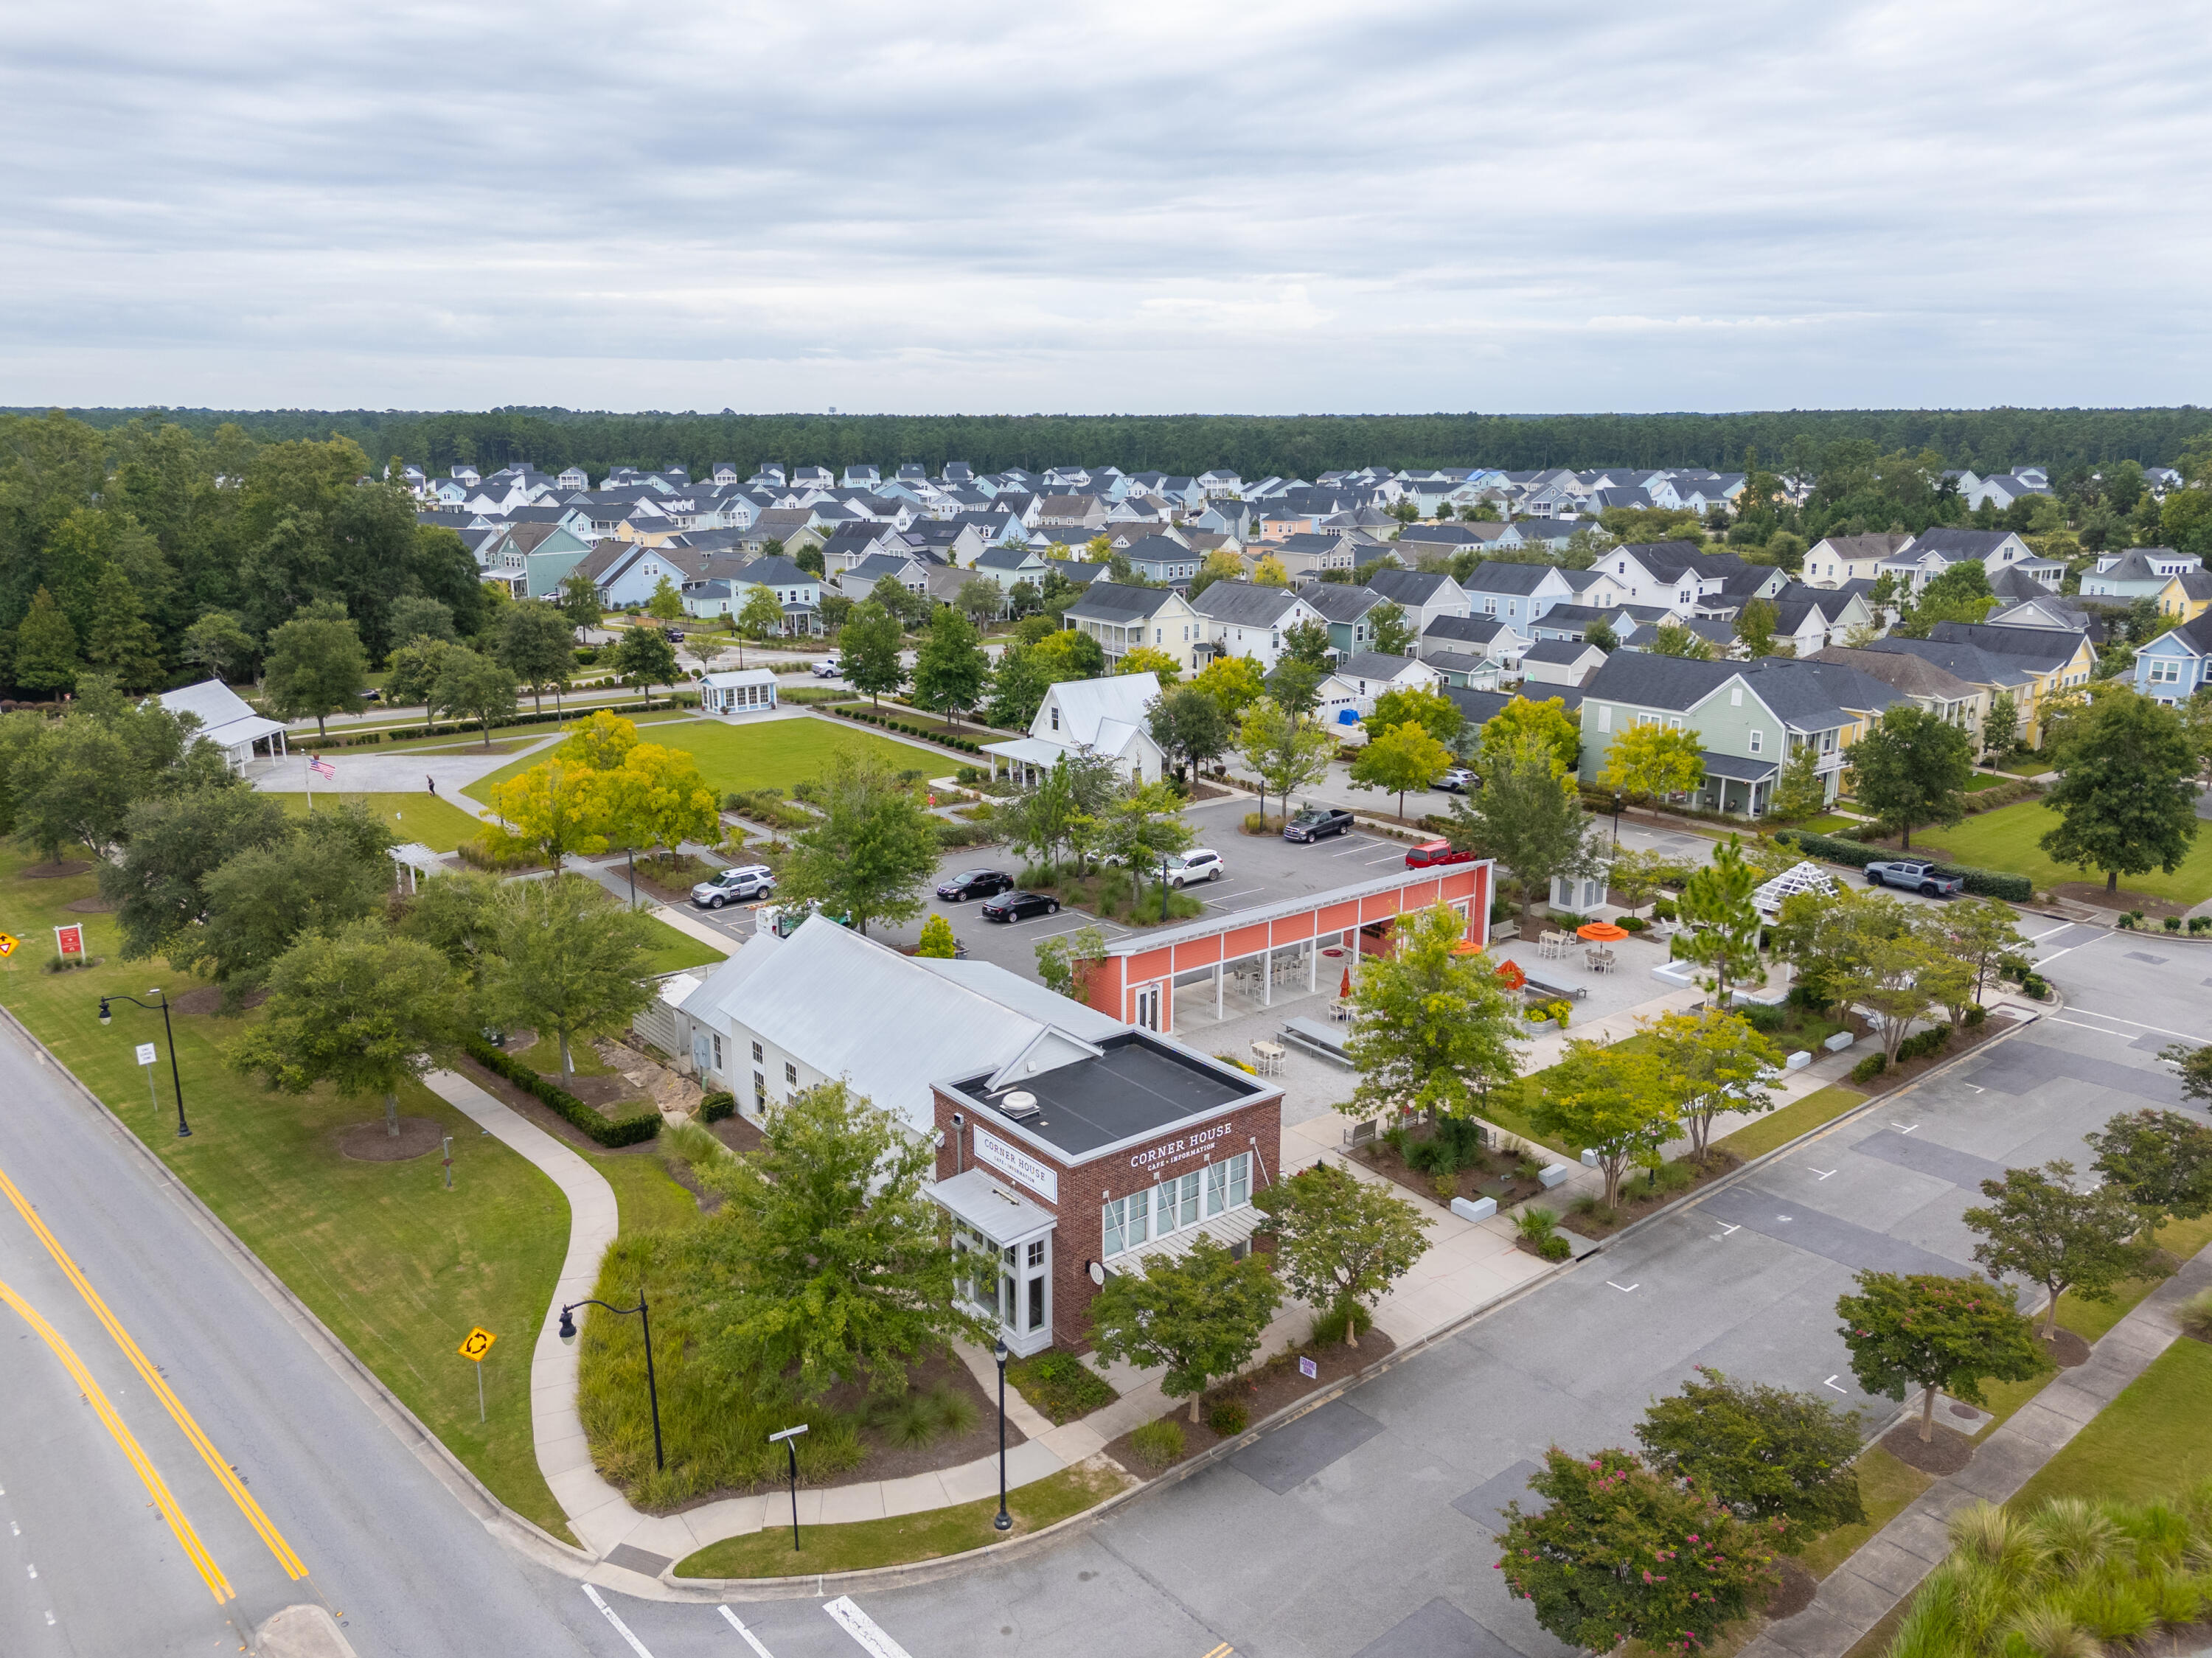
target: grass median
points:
(420, 817)
(398, 1268)
(930, 1535)
(2006, 839)
(1780, 1126)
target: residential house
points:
(1954, 700)
(909, 571)
(1424, 596)
(1669, 572)
(1106, 716)
(1833, 560)
(1010, 566)
(1481, 637)
(1934, 551)
(1559, 662)
(2158, 574)
(1123, 618)
(2032, 664)
(2177, 664)
(1348, 695)
(1347, 610)
(1750, 717)
(531, 561)
(798, 592)
(1517, 594)
(1163, 559)
(1304, 555)
(2002, 490)
(1245, 620)
(1071, 512)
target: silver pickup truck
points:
(1915, 874)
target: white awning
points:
(991, 1209)
(237, 734)
(1028, 750)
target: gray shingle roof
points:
(1373, 664)
(1110, 602)
(1492, 576)
(1340, 603)
(1409, 588)
(1564, 651)
(1245, 604)
(2043, 648)
(1469, 629)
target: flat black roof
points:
(1135, 1088)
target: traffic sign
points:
(478, 1343)
(8, 943)
(145, 1052)
(69, 940)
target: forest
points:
(1255, 446)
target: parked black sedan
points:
(1019, 907)
(975, 883)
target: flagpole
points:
(310, 786)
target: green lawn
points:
(1763, 1134)
(775, 754)
(463, 741)
(1885, 1485)
(2006, 840)
(398, 1268)
(679, 951)
(2147, 1443)
(925, 1536)
(437, 824)
(1981, 780)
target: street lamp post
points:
(1164, 889)
(169, 1034)
(1002, 1521)
(1616, 820)
(652, 1392)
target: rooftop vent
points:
(1019, 1105)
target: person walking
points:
(433, 782)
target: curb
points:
(408, 1429)
(1810, 1134)
(992, 1554)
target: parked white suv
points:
(1198, 864)
(734, 885)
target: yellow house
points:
(2030, 663)
(2187, 595)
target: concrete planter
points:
(1538, 1027)
(1554, 1175)
(1478, 1209)
(1797, 1061)
(1839, 1042)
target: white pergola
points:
(1808, 877)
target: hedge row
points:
(403, 733)
(607, 1131)
(1983, 883)
(962, 745)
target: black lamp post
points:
(790, 1438)
(1616, 820)
(1163, 888)
(652, 1392)
(1002, 1521)
(169, 1033)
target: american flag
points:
(321, 767)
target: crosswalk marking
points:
(864, 1629)
(751, 1639)
(621, 1628)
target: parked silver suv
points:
(734, 886)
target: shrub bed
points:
(1983, 883)
(1061, 1385)
(716, 1106)
(607, 1131)
(907, 728)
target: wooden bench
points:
(1546, 988)
(1317, 1038)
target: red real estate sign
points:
(69, 940)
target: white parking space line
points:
(1389, 857)
(864, 1629)
(2114, 1019)
(621, 1628)
(1357, 846)
(751, 1639)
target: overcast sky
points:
(1139, 207)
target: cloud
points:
(1141, 206)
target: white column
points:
(1220, 970)
(1267, 976)
(1313, 965)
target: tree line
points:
(1254, 445)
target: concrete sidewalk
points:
(1889, 1565)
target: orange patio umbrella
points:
(1601, 932)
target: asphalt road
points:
(1363, 1529)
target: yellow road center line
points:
(155, 1379)
(212, 1573)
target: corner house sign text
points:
(990, 1149)
(1155, 1158)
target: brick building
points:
(1057, 1176)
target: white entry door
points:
(1148, 1007)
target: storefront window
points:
(1240, 1180)
(1217, 1188)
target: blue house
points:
(2175, 664)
